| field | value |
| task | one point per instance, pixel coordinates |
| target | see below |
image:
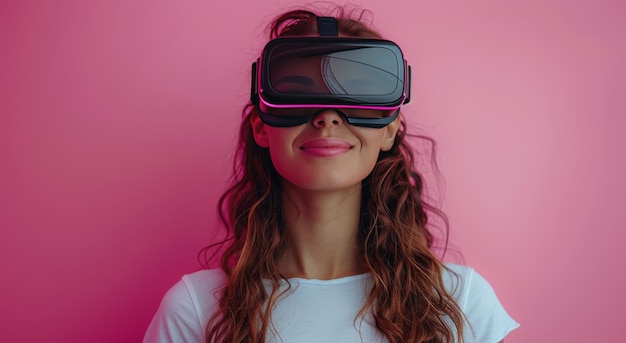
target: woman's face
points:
(325, 154)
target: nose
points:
(327, 118)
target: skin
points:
(322, 194)
(322, 164)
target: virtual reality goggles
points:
(366, 80)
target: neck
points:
(322, 231)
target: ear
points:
(258, 130)
(389, 136)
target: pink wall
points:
(117, 121)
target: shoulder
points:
(186, 308)
(197, 290)
(487, 319)
(463, 281)
(203, 281)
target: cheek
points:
(372, 141)
(280, 157)
(291, 169)
(281, 151)
(371, 149)
(370, 159)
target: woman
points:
(328, 228)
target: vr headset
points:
(366, 80)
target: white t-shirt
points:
(322, 310)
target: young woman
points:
(329, 239)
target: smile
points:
(326, 146)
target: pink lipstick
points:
(326, 146)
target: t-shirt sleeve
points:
(488, 320)
(177, 319)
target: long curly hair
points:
(408, 300)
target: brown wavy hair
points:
(408, 300)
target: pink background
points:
(117, 124)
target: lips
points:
(326, 146)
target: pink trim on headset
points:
(364, 107)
